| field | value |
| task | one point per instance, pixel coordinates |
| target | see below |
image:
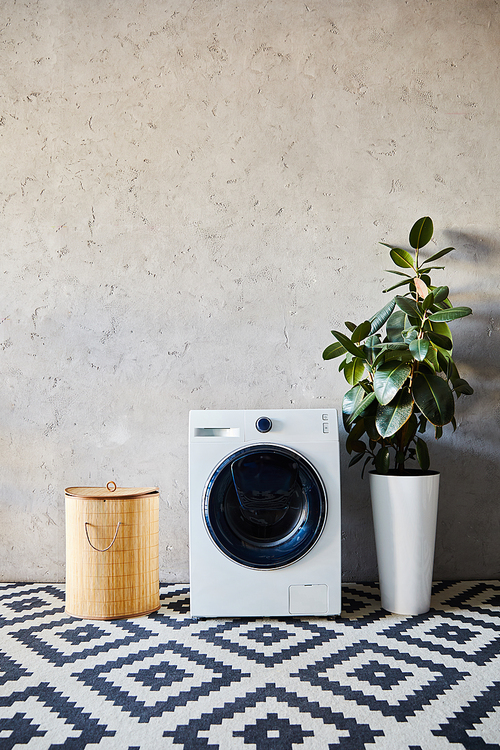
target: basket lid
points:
(110, 491)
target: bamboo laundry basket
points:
(112, 551)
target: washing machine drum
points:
(265, 506)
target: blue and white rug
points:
(367, 679)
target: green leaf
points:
(388, 380)
(410, 334)
(348, 344)
(443, 334)
(407, 432)
(384, 356)
(334, 350)
(367, 461)
(400, 273)
(354, 403)
(371, 429)
(382, 461)
(359, 446)
(361, 331)
(402, 355)
(408, 306)
(387, 346)
(422, 424)
(428, 301)
(356, 458)
(432, 359)
(402, 258)
(352, 399)
(391, 417)
(446, 363)
(419, 348)
(451, 313)
(423, 454)
(440, 293)
(425, 272)
(443, 341)
(350, 326)
(421, 232)
(461, 386)
(354, 371)
(452, 371)
(433, 397)
(442, 328)
(395, 286)
(396, 324)
(438, 255)
(363, 407)
(354, 435)
(382, 316)
(369, 347)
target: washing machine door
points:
(265, 506)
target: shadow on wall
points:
(469, 500)
(477, 348)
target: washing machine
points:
(264, 513)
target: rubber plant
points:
(399, 365)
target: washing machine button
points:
(264, 424)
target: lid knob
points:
(111, 486)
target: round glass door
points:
(265, 506)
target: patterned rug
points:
(367, 679)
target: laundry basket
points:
(112, 551)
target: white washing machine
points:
(264, 513)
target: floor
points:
(367, 679)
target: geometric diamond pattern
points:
(382, 678)
(477, 725)
(365, 679)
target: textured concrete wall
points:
(192, 196)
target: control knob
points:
(263, 424)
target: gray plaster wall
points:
(193, 194)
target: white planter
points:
(404, 517)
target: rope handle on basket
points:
(109, 545)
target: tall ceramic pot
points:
(404, 517)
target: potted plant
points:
(403, 380)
